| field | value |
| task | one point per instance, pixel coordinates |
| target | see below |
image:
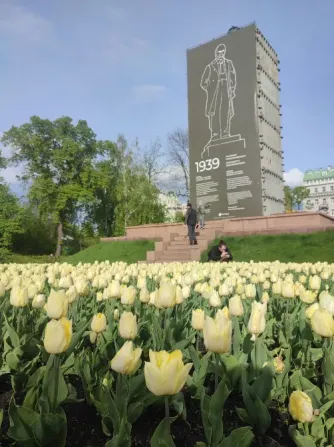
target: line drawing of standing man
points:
(219, 82)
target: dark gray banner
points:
(225, 171)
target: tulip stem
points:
(216, 371)
(167, 411)
(197, 342)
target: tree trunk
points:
(59, 239)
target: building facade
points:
(320, 183)
(234, 115)
(172, 205)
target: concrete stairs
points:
(178, 248)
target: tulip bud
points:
(166, 295)
(214, 299)
(315, 282)
(99, 323)
(99, 296)
(250, 291)
(19, 296)
(128, 326)
(65, 282)
(217, 334)
(38, 302)
(235, 306)
(257, 320)
(224, 290)
(186, 292)
(72, 294)
(116, 314)
(300, 407)
(144, 296)
(92, 337)
(166, 374)
(127, 360)
(57, 305)
(128, 295)
(197, 320)
(326, 301)
(58, 336)
(288, 290)
(322, 323)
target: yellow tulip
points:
(214, 299)
(2, 289)
(326, 301)
(92, 337)
(197, 319)
(307, 296)
(315, 282)
(166, 295)
(288, 289)
(235, 306)
(19, 296)
(166, 374)
(127, 360)
(217, 334)
(300, 407)
(144, 295)
(58, 336)
(128, 326)
(57, 305)
(257, 320)
(128, 295)
(322, 323)
(116, 314)
(250, 291)
(38, 302)
(311, 309)
(185, 292)
(99, 323)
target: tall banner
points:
(225, 165)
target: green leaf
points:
(259, 355)
(50, 429)
(54, 387)
(162, 436)
(216, 412)
(326, 407)
(205, 408)
(1, 419)
(311, 390)
(77, 336)
(300, 440)
(123, 437)
(14, 338)
(135, 410)
(262, 416)
(21, 421)
(240, 437)
(318, 428)
(262, 386)
(243, 415)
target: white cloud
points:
(145, 93)
(294, 177)
(19, 23)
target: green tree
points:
(288, 197)
(299, 194)
(58, 161)
(10, 217)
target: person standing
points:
(191, 222)
(201, 215)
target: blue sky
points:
(121, 65)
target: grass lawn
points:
(126, 251)
(311, 247)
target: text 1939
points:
(207, 165)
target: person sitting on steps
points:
(190, 220)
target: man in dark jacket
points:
(191, 221)
(220, 253)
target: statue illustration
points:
(219, 82)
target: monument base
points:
(222, 141)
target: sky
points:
(121, 65)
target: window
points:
(332, 199)
(316, 201)
(324, 201)
(315, 189)
(324, 189)
(332, 187)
